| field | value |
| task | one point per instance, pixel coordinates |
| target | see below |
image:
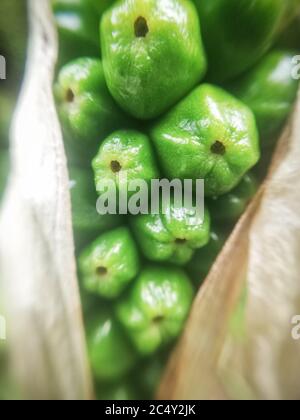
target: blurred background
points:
(13, 39)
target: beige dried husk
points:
(38, 268)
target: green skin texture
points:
(77, 24)
(110, 353)
(133, 151)
(237, 33)
(89, 114)
(156, 308)
(270, 91)
(117, 254)
(161, 237)
(229, 208)
(203, 259)
(87, 223)
(148, 74)
(184, 138)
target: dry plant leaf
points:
(45, 327)
(263, 253)
(272, 354)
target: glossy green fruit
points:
(152, 54)
(270, 90)
(156, 308)
(87, 111)
(110, 354)
(77, 25)
(110, 263)
(87, 222)
(209, 135)
(125, 156)
(237, 33)
(229, 207)
(204, 258)
(172, 236)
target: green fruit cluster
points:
(175, 89)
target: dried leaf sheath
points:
(37, 252)
(274, 276)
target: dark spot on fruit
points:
(179, 241)
(158, 319)
(218, 148)
(70, 96)
(141, 27)
(101, 271)
(115, 166)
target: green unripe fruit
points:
(209, 135)
(237, 33)
(88, 224)
(270, 90)
(110, 354)
(229, 207)
(125, 156)
(77, 25)
(173, 236)
(156, 308)
(110, 263)
(152, 54)
(87, 111)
